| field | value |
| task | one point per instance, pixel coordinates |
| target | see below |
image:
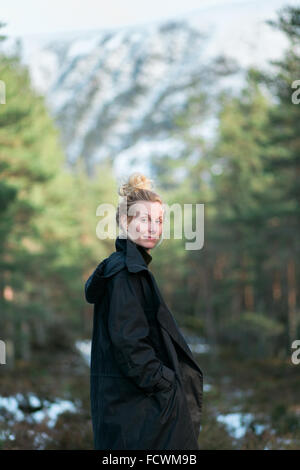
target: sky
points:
(25, 18)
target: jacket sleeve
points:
(129, 332)
(92, 290)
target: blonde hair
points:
(136, 189)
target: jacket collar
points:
(134, 259)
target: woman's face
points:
(146, 226)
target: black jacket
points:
(146, 388)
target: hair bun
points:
(136, 182)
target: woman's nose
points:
(152, 228)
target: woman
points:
(145, 386)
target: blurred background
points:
(198, 96)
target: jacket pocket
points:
(168, 401)
(168, 379)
